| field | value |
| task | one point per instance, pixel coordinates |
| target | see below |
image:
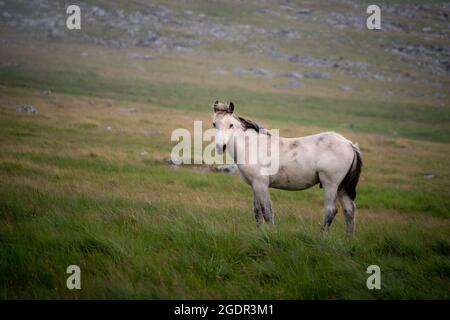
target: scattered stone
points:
(432, 57)
(440, 95)
(26, 108)
(138, 55)
(415, 94)
(379, 77)
(174, 162)
(345, 88)
(137, 67)
(312, 61)
(228, 168)
(288, 34)
(293, 83)
(152, 132)
(128, 109)
(292, 75)
(304, 11)
(144, 153)
(109, 128)
(252, 70)
(182, 48)
(220, 72)
(316, 75)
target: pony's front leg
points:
(261, 203)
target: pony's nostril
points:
(224, 147)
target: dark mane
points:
(250, 124)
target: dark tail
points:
(351, 179)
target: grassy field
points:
(84, 182)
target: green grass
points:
(137, 250)
(140, 229)
(395, 119)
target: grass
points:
(396, 119)
(159, 250)
(140, 229)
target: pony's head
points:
(225, 124)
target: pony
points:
(327, 159)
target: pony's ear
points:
(231, 107)
(216, 106)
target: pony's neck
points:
(244, 141)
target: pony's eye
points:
(231, 126)
(214, 124)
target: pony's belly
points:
(283, 180)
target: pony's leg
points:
(261, 202)
(257, 209)
(349, 212)
(330, 195)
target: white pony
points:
(326, 158)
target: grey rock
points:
(152, 132)
(174, 162)
(432, 57)
(139, 55)
(293, 83)
(379, 77)
(128, 109)
(288, 34)
(26, 108)
(137, 67)
(440, 95)
(228, 168)
(344, 87)
(303, 11)
(428, 176)
(292, 75)
(252, 70)
(316, 75)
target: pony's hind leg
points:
(261, 203)
(330, 195)
(349, 212)
(258, 211)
